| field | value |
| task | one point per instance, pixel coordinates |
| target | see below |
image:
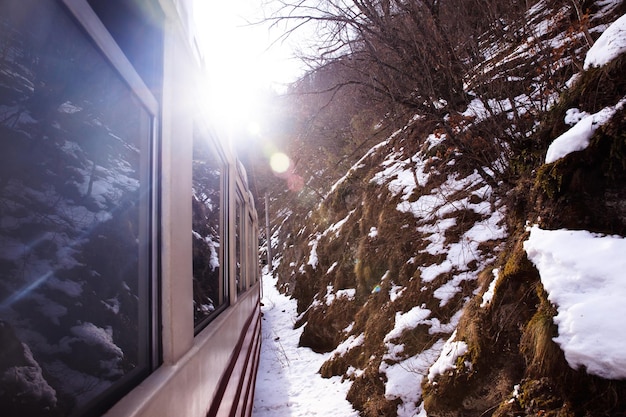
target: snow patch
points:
(608, 46)
(488, 295)
(583, 274)
(577, 138)
(446, 361)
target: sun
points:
(243, 62)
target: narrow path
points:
(288, 382)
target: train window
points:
(75, 215)
(252, 249)
(210, 289)
(239, 244)
(139, 37)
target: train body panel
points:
(196, 382)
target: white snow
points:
(313, 255)
(583, 273)
(288, 382)
(608, 46)
(350, 343)
(395, 292)
(446, 361)
(112, 304)
(404, 379)
(408, 320)
(573, 116)
(400, 174)
(331, 296)
(488, 295)
(94, 336)
(577, 138)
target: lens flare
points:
(280, 162)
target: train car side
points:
(128, 234)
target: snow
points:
(451, 351)
(408, 320)
(404, 379)
(337, 226)
(608, 46)
(395, 292)
(400, 174)
(488, 295)
(313, 259)
(573, 116)
(583, 274)
(331, 296)
(94, 336)
(28, 378)
(577, 138)
(438, 203)
(350, 343)
(360, 162)
(332, 267)
(288, 383)
(112, 304)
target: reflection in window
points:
(74, 216)
(239, 277)
(209, 288)
(252, 252)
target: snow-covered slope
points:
(412, 274)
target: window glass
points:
(252, 249)
(210, 291)
(239, 277)
(74, 218)
(135, 26)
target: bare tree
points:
(412, 53)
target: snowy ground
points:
(288, 383)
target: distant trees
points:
(411, 53)
(332, 122)
(399, 58)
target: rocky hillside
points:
(415, 269)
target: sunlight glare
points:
(254, 129)
(241, 67)
(280, 162)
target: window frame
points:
(252, 245)
(106, 44)
(239, 255)
(96, 32)
(206, 133)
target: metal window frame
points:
(97, 32)
(225, 285)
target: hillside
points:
(466, 264)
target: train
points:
(129, 265)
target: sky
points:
(245, 59)
(582, 272)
